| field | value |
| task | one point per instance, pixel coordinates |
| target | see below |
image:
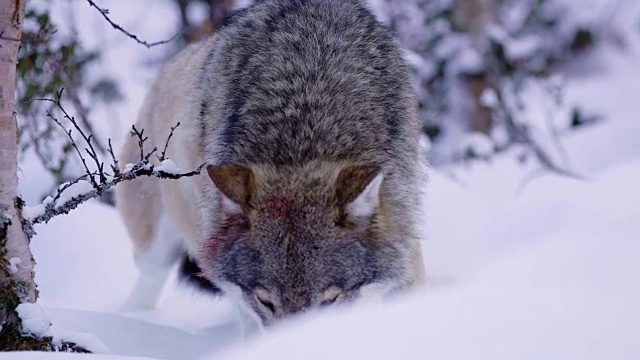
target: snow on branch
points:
(95, 183)
(104, 12)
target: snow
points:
(521, 264)
(489, 98)
(28, 355)
(82, 187)
(86, 341)
(554, 285)
(70, 191)
(34, 320)
(13, 264)
(468, 60)
(477, 145)
(85, 271)
(518, 49)
(32, 212)
(169, 167)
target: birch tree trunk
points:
(16, 263)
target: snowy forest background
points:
(530, 113)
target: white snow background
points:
(519, 267)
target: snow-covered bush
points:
(474, 62)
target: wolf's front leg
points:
(154, 263)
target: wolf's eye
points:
(265, 298)
(330, 296)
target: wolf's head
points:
(295, 239)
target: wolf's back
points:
(297, 81)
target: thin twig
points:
(554, 134)
(91, 150)
(83, 115)
(75, 146)
(141, 139)
(148, 156)
(104, 13)
(114, 166)
(162, 156)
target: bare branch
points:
(95, 183)
(104, 13)
(142, 168)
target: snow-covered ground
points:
(519, 266)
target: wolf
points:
(304, 113)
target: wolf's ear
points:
(236, 183)
(358, 190)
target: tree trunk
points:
(473, 17)
(16, 263)
(219, 10)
